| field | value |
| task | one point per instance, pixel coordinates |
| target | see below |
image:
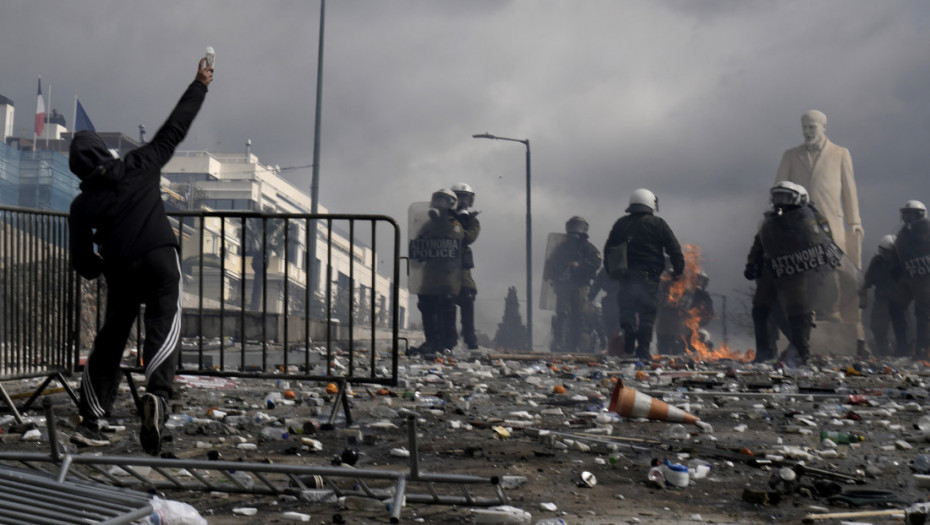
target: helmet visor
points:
(442, 202)
(466, 199)
(784, 198)
(912, 214)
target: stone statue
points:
(826, 171)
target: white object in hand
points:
(211, 56)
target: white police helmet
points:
(913, 211)
(465, 194)
(887, 242)
(443, 199)
(787, 193)
(643, 197)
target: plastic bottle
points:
(271, 400)
(178, 420)
(678, 432)
(169, 512)
(274, 433)
(430, 401)
(261, 417)
(841, 438)
(243, 478)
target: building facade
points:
(346, 273)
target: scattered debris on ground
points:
(581, 438)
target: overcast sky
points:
(696, 100)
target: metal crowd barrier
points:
(38, 313)
(256, 315)
(249, 306)
(33, 498)
(311, 483)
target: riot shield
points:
(550, 271)
(434, 250)
(913, 248)
(827, 285)
(797, 245)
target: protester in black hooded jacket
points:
(120, 210)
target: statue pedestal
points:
(833, 337)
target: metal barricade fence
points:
(249, 307)
(38, 312)
(252, 277)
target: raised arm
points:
(158, 152)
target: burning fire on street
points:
(697, 347)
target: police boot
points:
(760, 323)
(800, 327)
(643, 342)
(629, 340)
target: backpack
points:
(615, 257)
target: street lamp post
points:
(529, 235)
(313, 279)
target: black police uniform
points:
(648, 239)
(792, 245)
(885, 274)
(913, 248)
(570, 269)
(442, 278)
(466, 297)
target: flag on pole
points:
(81, 121)
(40, 111)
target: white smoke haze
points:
(694, 100)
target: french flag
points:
(40, 111)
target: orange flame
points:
(700, 350)
(688, 281)
(696, 347)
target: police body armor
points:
(913, 247)
(794, 242)
(434, 251)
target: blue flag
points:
(81, 121)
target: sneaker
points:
(152, 415)
(87, 434)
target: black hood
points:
(88, 151)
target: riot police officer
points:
(792, 249)
(468, 217)
(913, 248)
(884, 273)
(435, 269)
(569, 269)
(635, 255)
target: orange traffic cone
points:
(629, 402)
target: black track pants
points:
(153, 280)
